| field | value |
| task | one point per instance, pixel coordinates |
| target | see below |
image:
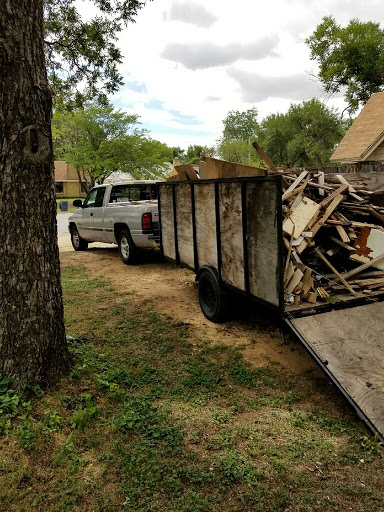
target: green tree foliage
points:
(240, 125)
(240, 129)
(351, 59)
(305, 136)
(81, 56)
(99, 140)
(195, 152)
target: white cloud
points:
(256, 87)
(195, 14)
(196, 73)
(207, 55)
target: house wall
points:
(377, 155)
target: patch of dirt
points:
(165, 288)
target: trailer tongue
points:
(229, 232)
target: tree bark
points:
(32, 336)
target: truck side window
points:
(119, 194)
(95, 198)
(90, 199)
(99, 197)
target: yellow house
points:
(67, 181)
(364, 141)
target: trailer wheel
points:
(213, 301)
(127, 248)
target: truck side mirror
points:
(78, 203)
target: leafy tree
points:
(81, 56)
(240, 128)
(351, 59)
(98, 140)
(195, 152)
(240, 125)
(32, 336)
(305, 136)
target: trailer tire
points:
(213, 301)
(127, 248)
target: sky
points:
(188, 63)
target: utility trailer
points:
(229, 232)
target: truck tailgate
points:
(349, 346)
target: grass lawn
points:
(70, 201)
(152, 418)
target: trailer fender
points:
(207, 268)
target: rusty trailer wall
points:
(232, 225)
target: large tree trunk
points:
(32, 337)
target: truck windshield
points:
(126, 193)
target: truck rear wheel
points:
(127, 248)
(78, 243)
(213, 301)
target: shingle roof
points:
(366, 132)
(61, 170)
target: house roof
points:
(365, 134)
(61, 169)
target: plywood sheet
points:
(263, 205)
(231, 233)
(215, 168)
(184, 224)
(167, 224)
(369, 245)
(300, 217)
(205, 224)
(352, 342)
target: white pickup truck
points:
(125, 214)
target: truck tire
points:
(78, 243)
(127, 248)
(213, 301)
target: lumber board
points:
(292, 187)
(263, 236)
(205, 215)
(352, 344)
(301, 217)
(231, 233)
(184, 224)
(167, 224)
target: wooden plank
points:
(292, 187)
(184, 224)
(321, 181)
(335, 271)
(167, 224)
(264, 238)
(351, 342)
(332, 196)
(264, 156)
(231, 232)
(351, 190)
(215, 168)
(301, 217)
(343, 235)
(205, 224)
(295, 280)
(342, 244)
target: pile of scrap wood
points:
(334, 238)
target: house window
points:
(59, 187)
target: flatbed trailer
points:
(229, 232)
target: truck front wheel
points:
(78, 243)
(127, 249)
(213, 301)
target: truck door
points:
(349, 346)
(92, 208)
